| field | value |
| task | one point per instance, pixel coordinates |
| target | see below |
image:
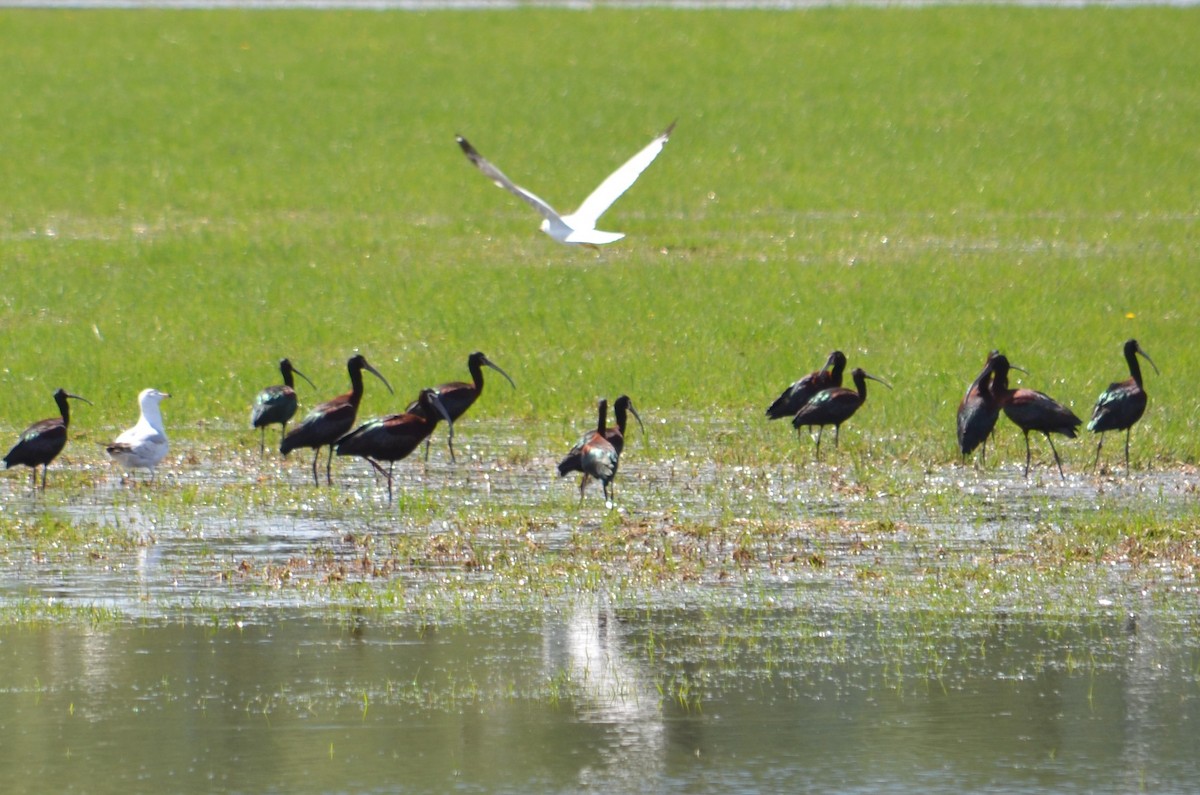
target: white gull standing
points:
(145, 444)
(579, 227)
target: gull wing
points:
(497, 176)
(129, 437)
(618, 182)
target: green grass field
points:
(186, 197)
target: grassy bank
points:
(185, 197)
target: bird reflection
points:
(610, 688)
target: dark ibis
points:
(594, 456)
(622, 408)
(394, 437)
(41, 442)
(275, 405)
(834, 406)
(799, 393)
(331, 420)
(1032, 411)
(978, 411)
(1121, 405)
(145, 444)
(458, 396)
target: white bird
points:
(579, 227)
(145, 444)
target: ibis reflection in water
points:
(593, 455)
(394, 437)
(41, 442)
(834, 406)
(458, 396)
(1032, 411)
(332, 419)
(276, 405)
(145, 444)
(1121, 405)
(613, 686)
(800, 392)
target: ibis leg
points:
(46, 468)
(837, 432)
(329, 468)
(1128, 431)
(1057, 460)
(820, 430)
(1099, 444)
(426, 448)
(386, 474)
(316, 455)
(262, 442)
(1027, 455)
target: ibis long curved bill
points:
(637, 417)
(458, 396)
(489, 363)
(1122, 404)
(329, 421)
(394, 437)
(41, 442)
(367, 366)
(276, 405)
(834, 406)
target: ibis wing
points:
(42, 427)
(799, 393)
(497, 176)
(599, 459)
(618, 182)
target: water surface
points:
(744, 628)
(597, 697)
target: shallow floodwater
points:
(599, 698)
(725, 627)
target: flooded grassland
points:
(742, 626)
